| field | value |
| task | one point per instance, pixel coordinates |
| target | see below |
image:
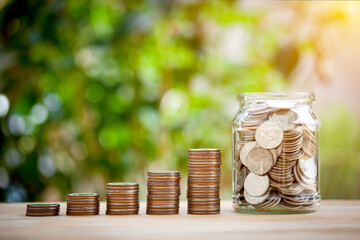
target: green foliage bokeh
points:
(104, 90)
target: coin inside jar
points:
(259, 160)
(241, 179)
(308, 167)
(256, 200)
(256, 185)
(284, 118)
(245, 151)
(269, 135)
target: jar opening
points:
(277, 96)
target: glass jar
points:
(276, 154)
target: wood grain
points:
(335, 220)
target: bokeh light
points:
(4, 105)
(14, 158)
(16, 124)
(46, 166)
(98, 91)
(39, 114)
(52, 102)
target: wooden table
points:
(334, 220)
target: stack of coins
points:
(255, 117)
(308, 144)
(79, 204)
(305, 173)
(163, 192)
(204, 172)
(122, 198)
(42, 209)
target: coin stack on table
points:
(79, 204)
(276, 165)
(122, 198)
(42, 209)
(163, 192)
(204, 172)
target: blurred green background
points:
(99, 91)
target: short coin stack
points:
(79, 204)
(204, 172)
(122, 198)
(163, 192)
(42, 209)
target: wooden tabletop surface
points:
(335, 220)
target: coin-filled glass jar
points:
(276, 154)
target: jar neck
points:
(277, 96)
(286, 104)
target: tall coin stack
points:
(79, 204)
(42, 209)
(204, 172)
(163, 192)
(122, 198)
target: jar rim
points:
(276, 96)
